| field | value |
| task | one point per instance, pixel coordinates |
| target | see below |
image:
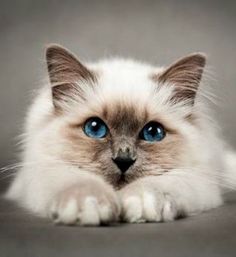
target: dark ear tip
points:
(199, 58)
(53, 49)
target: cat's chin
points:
(120, 180)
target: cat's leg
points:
(167, 197)
(67, 195)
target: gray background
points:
(154, 31)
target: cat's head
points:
(123, 119)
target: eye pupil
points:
(153, 131)
(95, 128)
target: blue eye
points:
(95, 127)
(153, 131)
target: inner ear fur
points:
(64, 71)
(185, 75)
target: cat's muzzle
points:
(124, 160)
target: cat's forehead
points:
(125, 81)
(125, 93)
(126, 89)
(126, 72)
(125, 117)
(125, 113)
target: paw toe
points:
(89, 213)
(132, 209)
(169, 211)
(151, 211)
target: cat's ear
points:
(185, 75)
(65, 71)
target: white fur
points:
(68, 214)
(194, 189)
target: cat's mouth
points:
(121, 180)
(118, 179)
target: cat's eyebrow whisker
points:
(7, 176)
(10, 167)
(8, 171)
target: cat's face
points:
(120, 119)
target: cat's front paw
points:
(141, 204)
(89, 203)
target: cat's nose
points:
(124, 161)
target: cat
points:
(121, 140)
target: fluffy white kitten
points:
(120, 139)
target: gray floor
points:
(210, 234)
(154, 31)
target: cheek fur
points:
(82, 149)
(90, 154)
(164, 155)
